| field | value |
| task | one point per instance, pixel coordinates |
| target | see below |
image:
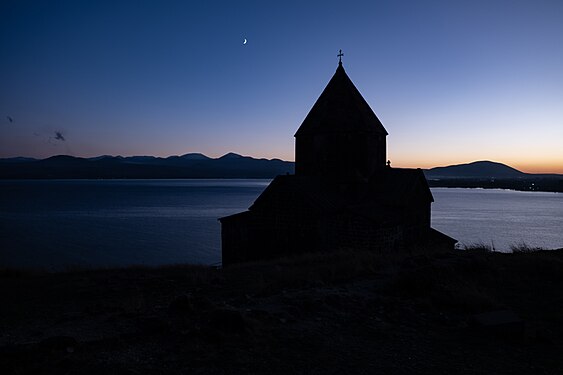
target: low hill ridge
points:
(476, 169)
(191, 165)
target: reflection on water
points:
(58, 223)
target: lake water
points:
(499, 218)
(60, 223)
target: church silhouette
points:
(343, 194)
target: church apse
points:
(343, 193)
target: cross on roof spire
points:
(340, 54)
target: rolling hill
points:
(477, 169)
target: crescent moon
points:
(244, 41)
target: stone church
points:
(343, 193)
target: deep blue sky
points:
(452, 81)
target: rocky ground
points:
(466, 312)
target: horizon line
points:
(266, 158)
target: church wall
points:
(354, 232)
(295, 230)
(418, 213)
(269, 233)
(304, 156)
(339, 154)
(235, 236)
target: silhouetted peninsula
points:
(477, 169)
(492, 175)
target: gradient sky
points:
(452, 81)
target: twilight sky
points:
(452, 81)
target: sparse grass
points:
(379, 307)
(309, 269)
(522, 247)
(478, 247)
(451, 281)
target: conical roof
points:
(340, 109)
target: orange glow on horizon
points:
(426, 161)
(536, 168)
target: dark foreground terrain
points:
(466, 312)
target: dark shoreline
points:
(346, 312)
(549, 185)
(544, 184)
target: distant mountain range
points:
(192, 165)
(231, 165)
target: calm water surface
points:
(499, 218)
(60, 223)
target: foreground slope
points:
(338, 313)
